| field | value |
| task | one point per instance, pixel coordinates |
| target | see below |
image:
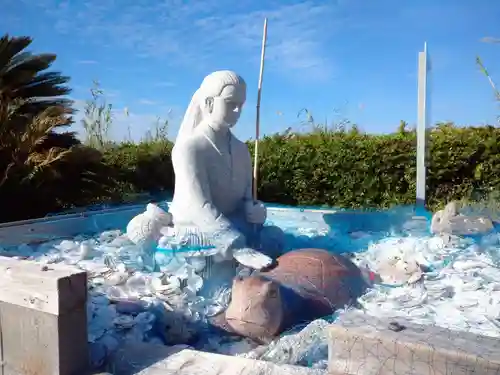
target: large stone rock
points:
(450, 221)
(267, 303)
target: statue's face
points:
(225, 110)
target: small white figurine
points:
(450, 221)
(213, 176)
(144, 230)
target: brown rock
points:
(305, 284)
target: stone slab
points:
(364, 345)
(149, 359)
(43, 319)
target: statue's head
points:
(256, 308)
(219, 102)
(223, 94)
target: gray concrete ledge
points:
(363, 345)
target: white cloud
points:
(490, 39)
(87, 62)
(147, 102)
(165, 84)
(195, 32)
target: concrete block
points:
(43, 319)
(364, 345)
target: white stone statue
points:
(213, 176)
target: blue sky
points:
(354, 59)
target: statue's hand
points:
(256, 212)
(252, 258)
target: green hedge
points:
(343, 169)
(339, 169)
(359, 170)
(141, 168)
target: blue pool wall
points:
(343, 224)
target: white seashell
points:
(117, 278)
(194, 283)
(198, 263)
(121, 268)
(124, 321)
(109, 235)
(163, 285)
(175, 282)
(85, 250)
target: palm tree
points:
(37, 158)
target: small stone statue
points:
(450, 221)
(213, 176)
(144, 230)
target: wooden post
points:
(43, 319)
(257, 117)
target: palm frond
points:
(36, 158)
